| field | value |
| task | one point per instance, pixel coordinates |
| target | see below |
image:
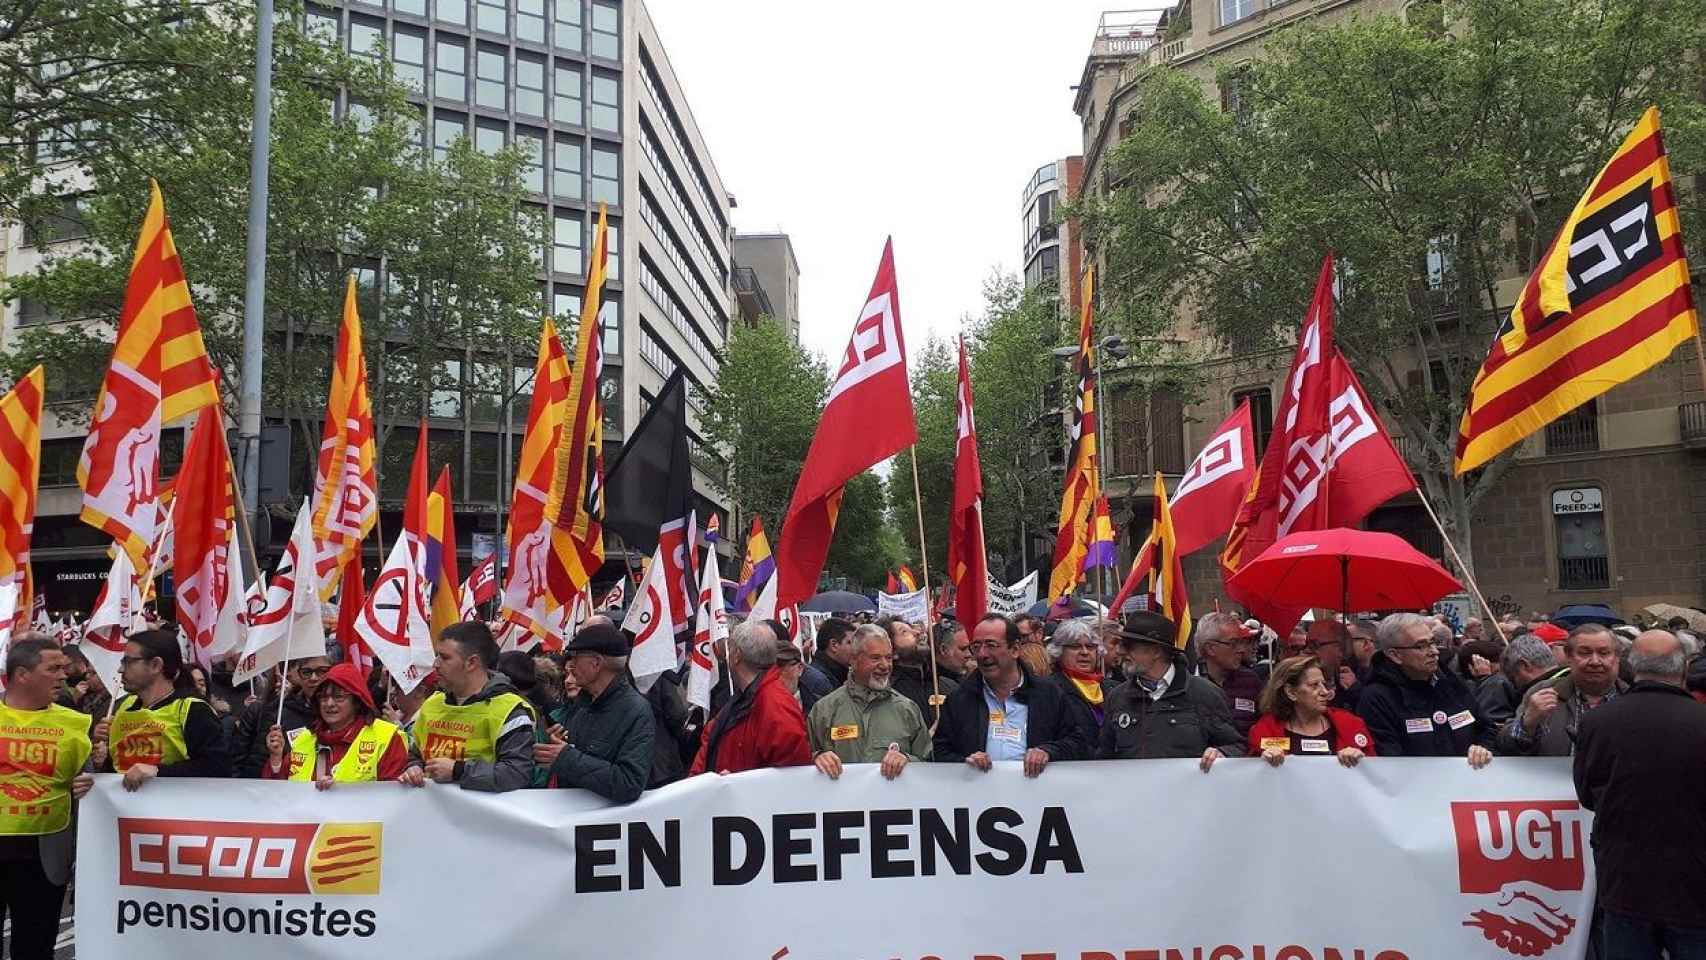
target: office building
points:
(765, 264)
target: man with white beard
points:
(865, 720)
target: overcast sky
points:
(842, 123)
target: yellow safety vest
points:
(468, 732)
(41, 751)
(148, 736)
(360, 763)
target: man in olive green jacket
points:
(864, 720)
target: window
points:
(1232, 11)
(566, 29)
(408, 55)
(566, 168)
(64, 223)
(322, 27)
(492, 16)
(606, 174)
(59, 462)
(1440, 263)
(613, 252)
(610, 324)
(366, 39)
(1584, 562)
(485, 391)
(32, 312)
(413, 7)
(446, 401)
(566, 305)
(606, 101)
(606, 30)
(566, 243)
(452, 11)
(532, 144)
(530, 20)
(1167, 430)
(568, 95)
(489, 137)
(1233, 97)
(1261, 414)
(483, 469)
(529, 86)
(1574, 432)
(489, 71)
(361, 115)
(447, 128)
(450, 73)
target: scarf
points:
(1089, 684)
(736, 711)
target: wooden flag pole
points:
(924, 561)
(1468, 577)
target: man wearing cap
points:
(1163, 711)
(865, 720)
(606, 746)
(1002, 712)
(476, 730)
(762, 726)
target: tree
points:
(865, 547)
(1438, 156)
(935, 398)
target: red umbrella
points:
(1348, 569)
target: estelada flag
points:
(968, 563)
(1206, 502)
(204, 517)
(1083, 474)
(441, 573)
(577, 509)
(159, 373)
(346, 487)
(1161, 565)
(867, 419)
(534, 585)
(1609, 300)
(20, 469)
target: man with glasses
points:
(1327, 642)
(1223, 643)
(1003, 712)
(159, 729)
(249, 742)
(1412, 707)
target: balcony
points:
(1128, 33)
(1584, 573)
(1574, 432)
(1693, 419)
(750, 297)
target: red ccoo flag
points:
(203, 519)
(867, 419)
(968, 564)
(482, 584)
(1206, 502)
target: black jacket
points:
(249, 741)
(675, 731)
(1421, 718)
(912, 681)
(1089, 715)
(820, 677)
(1053, 725)
(1640, 766)
(1190, 717)
(1243, 692)
(610, 744)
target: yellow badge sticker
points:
(997, 718)
(1281, 743)
(847, 731)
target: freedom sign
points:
(1425, 859)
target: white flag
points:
(395, 624)
(710, 628)
(230, 627)
(10, 593)
(118, 613)
(290, 627)
(651, 626)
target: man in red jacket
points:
(763, 725)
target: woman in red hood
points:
(347, 742)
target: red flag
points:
(968, 564)
(894, 585)
(483, 579)
(1366, 469)
(350, 602)
(203, 514)
(1206, 502)
(867, 419)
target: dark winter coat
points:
(1436, 717)
(248, 745)
(1190, 717)
(610, 744)
(1053, 725)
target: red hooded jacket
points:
(771, 734)
(1347, 726)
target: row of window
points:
(653, 149)
(678, 136)
(713, 305)
(565, 20)
(664, 297)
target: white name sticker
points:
(1314, 746)
(1240, 703)
(1419, 725)
(1461, 720)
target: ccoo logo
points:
(230, 857)
(1517, 860)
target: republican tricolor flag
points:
(1103, 550)
(440, 565)
(757, 568)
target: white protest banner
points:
(1430, 859)
(907, 606)
(1014, 599)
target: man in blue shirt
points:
(1001, 713)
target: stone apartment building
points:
(1608, 504)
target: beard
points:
(876, 682)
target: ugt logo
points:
(1518, 860)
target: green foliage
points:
(865, 547)
(935, 390)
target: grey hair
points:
(1390, 633)
(867, 631)
(1076, 631)
(1218, 626)
(755, 642)
(618, 665)
(1443, 634)
(1526, 649)
(1668, 665)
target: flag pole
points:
(1468, 577)
(924, 562)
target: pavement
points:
(65, 949)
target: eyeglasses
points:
(126, 660)
(977, 645)
(1424, 645)
(313, 673)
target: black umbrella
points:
(1574, 616)
(839, 601)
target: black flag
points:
(650, 483)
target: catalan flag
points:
(1161, 563)
(531, 589)
(159, 373)
(441, 572)
(20, 467)
(1609, 300)
(1083, 473)
(577, 507)
(758, 567)
(1103, 550)
(346, 504)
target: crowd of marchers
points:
(1629, 706)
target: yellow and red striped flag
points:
(529, 594)
(1083, 471)
(159, 373)
(1161, 563)
(20, 467)
(346, 504)
(577, 504)
(1609, 300)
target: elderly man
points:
(953, 654)
(1108, 633)
(762, 726)
(1525, 662)
(1223, 642)
(1638, 768)
(1003, 712)
(866, 721)
(1163, 711)
(1327, 643)
(606, 745)
(1411, 706)
(1551, 712)
(1073, 651)
(1473, 630)
(790, 665)
(476, 730)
